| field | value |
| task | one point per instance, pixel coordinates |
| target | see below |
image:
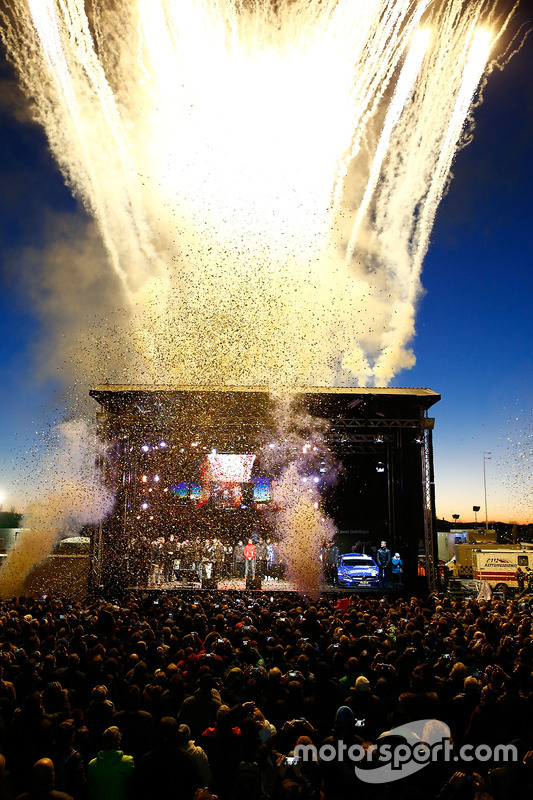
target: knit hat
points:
(344, 716)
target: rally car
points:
(357, 569)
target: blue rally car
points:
(357, 569)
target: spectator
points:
(199, 711)
(222, 744)
(167, 770)
(99, 713)
(110, 773)
(42, 783)
(198, 755)
(69, 766)
(136, 725)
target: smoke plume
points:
(72, 496)
(298, 452)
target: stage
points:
(192, 464)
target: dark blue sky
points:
(474, 340)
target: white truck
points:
(498, 567)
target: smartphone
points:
(360, 723)
(291, 760)
(379, 630)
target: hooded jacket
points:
(109, 775)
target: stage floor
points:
(239, 585)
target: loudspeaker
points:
(209, 583)
(253, 583)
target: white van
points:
(498, 567)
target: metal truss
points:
(376, 422)
(428, 480)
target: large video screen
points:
(224, 480)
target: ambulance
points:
(498, 567)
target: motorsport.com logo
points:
(405, 750)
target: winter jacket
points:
(249, 552)
(109, 775)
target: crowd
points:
(202, 695)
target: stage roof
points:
(121, 398)
(105, 388)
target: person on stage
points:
(169, 555)
(207, 560)
(332, 561)
(218, 558)
(238, 556)
(249, 558)
(396, 569)
(157, 560)
(261, 558)
(383, 559)
(270, 559)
